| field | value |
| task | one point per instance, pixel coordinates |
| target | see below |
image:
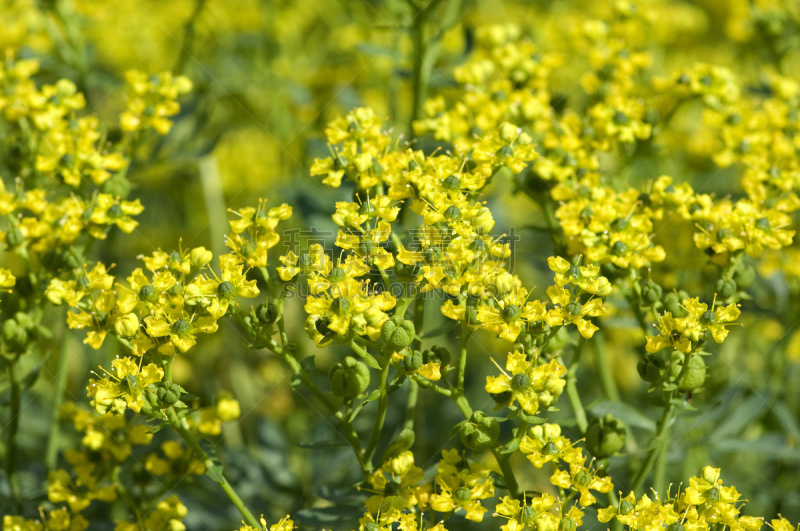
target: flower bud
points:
(350, 378)
(480, 433)
(127, 326)
(14, 237)
(267, 313)
(508, 132)
(483, 222)
(605, 436)
(200, 256)
(228, 409)
(193, 296)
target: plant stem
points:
(604, 368)
(663, 426)
(182, 428)
(413, 388)
(458, 393)
(13, 426)
(51, 454)
(383, 404)
(572, 390)
(504, 460)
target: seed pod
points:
(725, 288)
(651, 292)
(398, 333)
(350, 378)
(480, 433)
(605, 436)
(412, 361)
(696, 374)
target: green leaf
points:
(307, 363)
(296, 380)
(214, 471)
(511, 447)
(372, 396)
(745, 413)
(444, 329)
(322, 444)
(499, 481)
(369, 359)
(624, 412)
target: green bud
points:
(181, 328)
(463, 494)
(651, 292)
(605, 436)
(510, 313)
(574, 309)
(480, 433)
(267, 313)
(350, 378)
(453, 213)
(520, 382)
(505, 152)
(567, 524)
(529, 516)
(625, 508)
(14, 237)
(147, 293)
(619, 248)
(437, 353)
(412, 361)
(451, 183)
(337, 274)
(226, 290)
(501, 399)
(550, 448)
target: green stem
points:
(504, 460)
(411, 405)
(457, 394)
(13, 426)
(663, 426)
(123, 491)
(660, 473)
(572, 389)
(413, 388)
(182, 428)
(51, 454)
(604, 368)
(380, 417)
(427, 384)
